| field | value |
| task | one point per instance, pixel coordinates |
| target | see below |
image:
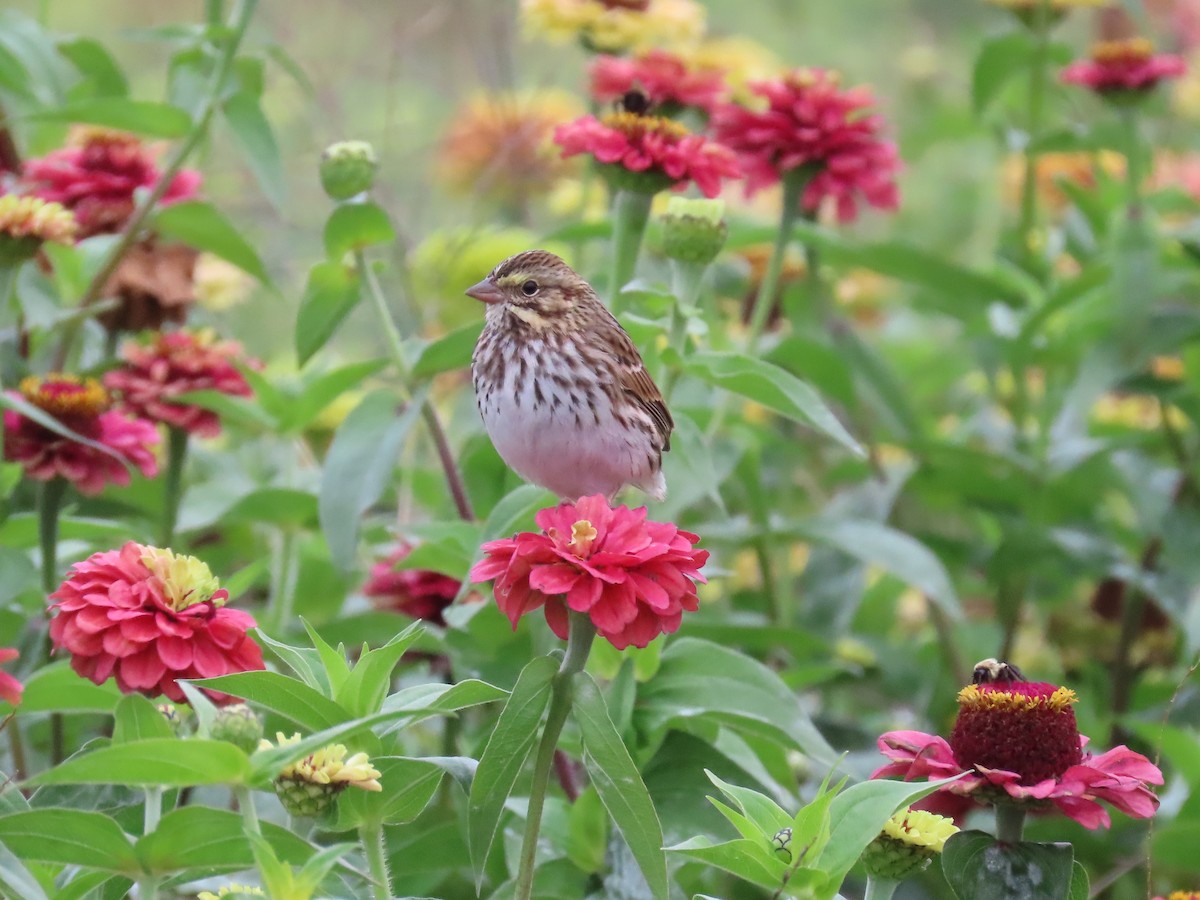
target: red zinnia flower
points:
(82, 406)
(648, 154)
(1018, 742)
(96, 176)
(663, 77)
(149, 617)
(178, 363)
(634, 578)
(10, 688)
(1123, 67)
(419, 593)
(812, 125)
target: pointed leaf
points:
(356, 226)
(290, 698)
(200, 837)
(255, 139)
(978, 867)
(68, 837)
(203, 226)
(364, 690)
(142, 117)
(331, 292)
(165, 761)
(136, 718)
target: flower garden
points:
(618, 452)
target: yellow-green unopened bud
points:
(239, 725)
(232, 890)
(305, 798)
(782, 842)
(909, 841)
(348, 168)
(694, 231)
(176, 717)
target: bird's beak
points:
(486, 292)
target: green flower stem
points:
(686, 278)
(177, 447)
(283, 586)
(793, 189)
(880, 888)
(213, 97)
(1133, 163)
(1038, 71)
(375, 849)
(16, 747)
(579, 644)
(1010, 823)
(245, 803)
(454, 479)
(152, 812)
(49, 505)
(631, 210)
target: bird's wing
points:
(635, 381)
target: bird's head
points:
(536, 286)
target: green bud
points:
(176, 717)
(782, 842)
(306, 798)
(909, 841)
(239, 725)
(348, 168)
(694, 231)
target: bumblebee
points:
(992, 671)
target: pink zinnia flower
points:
(82, 406)
(662, 77)
(149, 617)
(812, 127)
(96, 177)
(178, 363)
(648, 154)
(634, 578)
(1123, 68)
(1018, 743)
(418, 593)
(10, 688)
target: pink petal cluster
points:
(650, 145)
(10, 688)
(1123, 66)
(634, 578)
(96, 177)
(123, 614)
(810, 123)
(172, 364)
(662, 77)
(81, 406)
(418, 593)
(1120, 777)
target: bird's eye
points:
(529, 288)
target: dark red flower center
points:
(1023, 727)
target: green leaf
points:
(998, 61)
(165, 761)
(68, 837)
(305, 662)
(325, 389)
(16, 879)
(767, 815)
(898, 553)
(743, 857)
(97, 65)
(978, 867)
(408, 786)
(703, 679)
(330, 293)
(200, 837)
(587, 831)
(356, 226)
(278, 506)
(448, 353)
(363, 691)
(288, 697)
(358, 467)
(56, 688)
(337, 669)
(203, 226)
(136, 718)
(619, 784)
(255, 139)
(774, 388)
(504, 757)
(1081, 886)
(143, 117)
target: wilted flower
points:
(96, 176)
(664, 79)
(239, 725)
(499, 146)
(27, 222)
(10, 688)
(1018, 742)
(150, 617)
(1123, 69)
(153, 284)
(81, 405)
(308, 786)
(813, 129)
(348, 168)
(418, 593)
(633, 577)
(648, 154)
(614, 26)
(908, 843)
(174, 364)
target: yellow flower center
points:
(1184, 895)
(918, 828)
(185, 580)
(33, 217)
(635, 126)
(329, 765)
(1129, 50)
(65, 396)
(1004, 701)
(583, 534)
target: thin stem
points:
(631, 211)
(133, 227)
(245, 803)
(177, 447)
(375, 849)
(152, 812)
(454, 479)
(1010, 823)
(880, 888)
(283, 594)
(1033, 124)
(16, 747)
(764, 299)
(1133, 163)
(686, 278)
(579, 643)
(49, 504)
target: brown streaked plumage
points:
(564, 394)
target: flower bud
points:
(909, 841)
(27, 222)
(304, 798)
(239, 725)
(782, 842)
(694, 231)
(176, 717)
(348, 168)
(309, 786)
